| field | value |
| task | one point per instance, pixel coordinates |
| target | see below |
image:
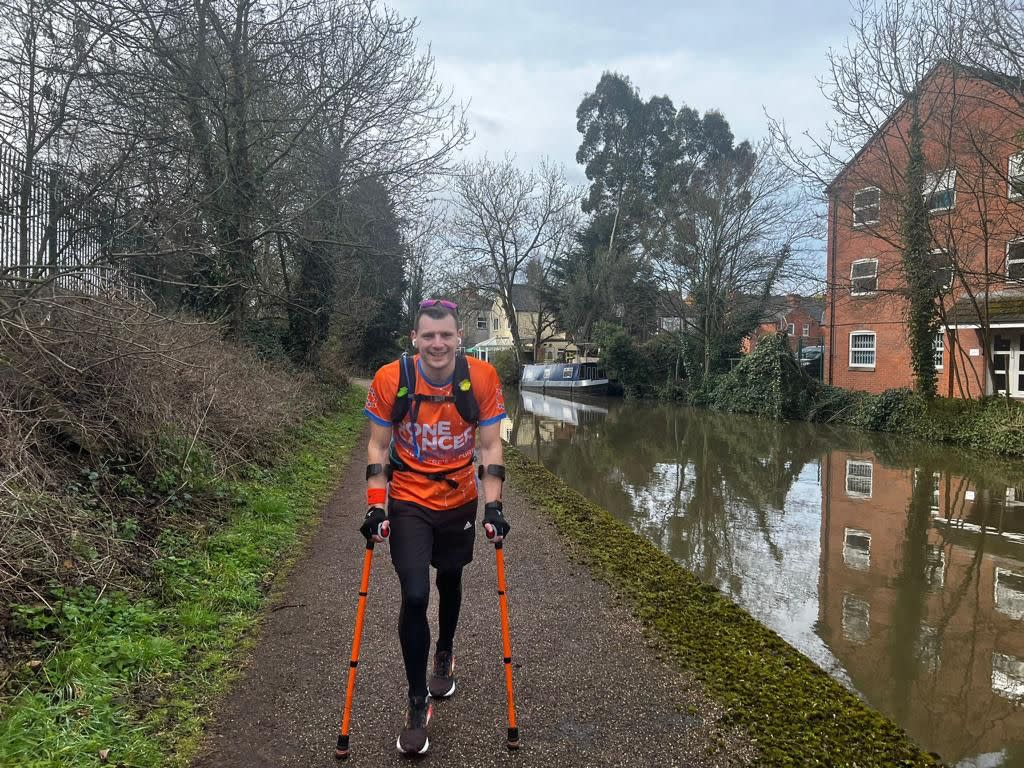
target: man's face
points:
(437, 341)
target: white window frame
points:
(1018, 260)
(1009, 600)
(1008, 676)
(858, 208)
(806, 330)
(853, 556)
(939, 350)
(853, 280)
(856, 621)
(940, 181)
(870, 477)
(495, 322)
(873, 350)
(1015, 171)
(481, 322)
(791, 329)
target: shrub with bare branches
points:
(111, 415)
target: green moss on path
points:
(796, 714)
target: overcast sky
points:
(523, 66)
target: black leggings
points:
(413, 629)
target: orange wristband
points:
(375, 496)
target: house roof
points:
(524, 298)
(998, 308)
(1006, 82)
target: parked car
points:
(811, 360)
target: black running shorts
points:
(443, 538)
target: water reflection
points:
(896, 566)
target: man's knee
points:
(449, 580)
(415, 590)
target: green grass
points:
(136, 675)
(795, 713)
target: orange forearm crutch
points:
(342, 751)
(513, 730)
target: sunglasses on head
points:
(443, 302)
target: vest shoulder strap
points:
(462, 387)
(406, 388)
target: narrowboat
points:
(566, 378)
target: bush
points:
(895, 410)
(768, 383)
(509, 371)
(127, 419)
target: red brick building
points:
(974, 190)
(799, 316)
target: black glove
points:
(496, 520)
(375, 524)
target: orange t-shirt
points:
(440, 438)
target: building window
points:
(863, 277)
(1001, 353)
(1009, 593)
(858, 478)
(940, 190)
(862, 349)
(1015, 176)
(942, 270)
(929, 649)
(856, 619)
(857, 548)
(494, 324)
(1015, 261)
(672, 324)
(866, 206)
(790, 329)
(481, 322)
(806, 330)
(935, 567)
(1008, 676)
(940, 348)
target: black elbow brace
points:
(496, 470)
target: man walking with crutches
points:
(429, 413)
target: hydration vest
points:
(407, 399)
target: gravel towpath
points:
(590, 691)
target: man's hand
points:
(495, 525)
(375, 525)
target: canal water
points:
(896, 566)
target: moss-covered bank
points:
(796, 713)
(121, 678)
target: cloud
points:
(529, 107)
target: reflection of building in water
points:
(922, 600)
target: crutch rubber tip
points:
(513, 739)
(341, 752)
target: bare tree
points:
(725, 242)
(502, 218)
